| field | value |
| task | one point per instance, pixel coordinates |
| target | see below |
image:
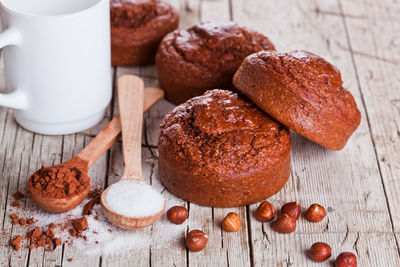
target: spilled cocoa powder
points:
(95, 199)
(45, 237)
(35, 237)
(18, 195)
(16, 242)
(79, 225)
(15, 204)
(58, 182)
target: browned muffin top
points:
(216, 46)
(221, 133)
(134, 14)
(312, 78)
(140, 22)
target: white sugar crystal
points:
(134, 199)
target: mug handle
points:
(16, 99)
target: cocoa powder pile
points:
(58, 182)
(36, 237)
(45, 238)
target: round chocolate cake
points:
(219, 149)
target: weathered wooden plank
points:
(157, 252)
(290, 250)
(138, 256)
(317, 175)
(141, 256)
(6, 148)
(217, 10)
(15, 171)
(346, 182)
(72, 145)
(47, 151)
(223, 248)
(175, 253)
(373, 31)
(232, 242)
(234, 246)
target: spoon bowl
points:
(128, 222)
(58, 205)
(65, 203)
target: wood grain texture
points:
(347, 182)
(130, 100)
(374, 42)
(357, 185)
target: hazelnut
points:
(292, 209)
(177, 214)
(232, 222)
(346, 259)
(319, 252)
(284, 224)
(315, 213)
(265, 212)
(196, 240)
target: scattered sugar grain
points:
(134, 199)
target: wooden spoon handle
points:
(111, 133)
(130, 99)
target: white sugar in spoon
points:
(131, 203)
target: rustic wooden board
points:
(373, 31)
(358, 185)
(347, 182)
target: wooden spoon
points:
(131, 185)
(101, 143)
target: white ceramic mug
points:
(57, 61)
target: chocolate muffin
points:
(203, 57)
(219, 149)
(304, 92)
(137, 28)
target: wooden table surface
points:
(359, 185)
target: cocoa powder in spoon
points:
(59, 181)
